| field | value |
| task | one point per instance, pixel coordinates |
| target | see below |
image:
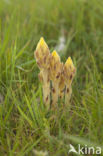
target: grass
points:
(25, 125)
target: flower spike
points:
(42, 55)
(69, 73)
(55, 72)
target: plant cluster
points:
(53, 70)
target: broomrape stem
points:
(68, 93)
(55, 72)
(55, 93)
(42, 55)
(69, 73)
(61, 85)
(61, 94)
(46, 88)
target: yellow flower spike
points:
(55, 65)
(55, 72)
(42, 55)
(69, 72)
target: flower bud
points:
(69, 70)
(55, 66)
(42, 54)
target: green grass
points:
(25, 125)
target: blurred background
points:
(73, 27)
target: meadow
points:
(26, 127)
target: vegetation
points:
(26, 127)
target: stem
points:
(61, 87)
(55, 92)
(46, 88)
(61, 93)
(68, 93)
